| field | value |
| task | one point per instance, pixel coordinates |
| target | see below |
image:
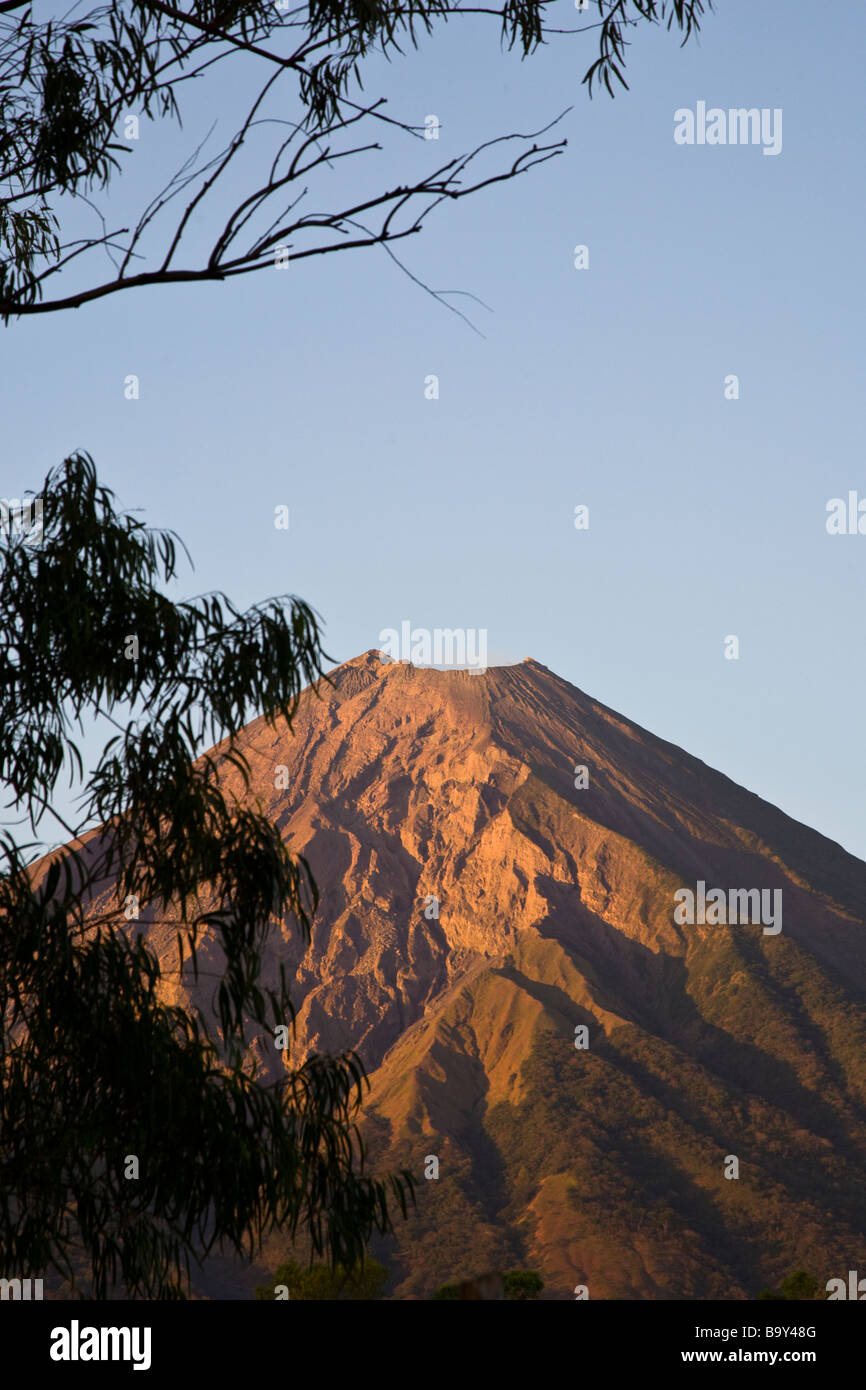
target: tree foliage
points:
(320, 1282)
(68, 84)
(95, 1066)
(795, 1287)
(446, 1293)
(522, 1284)
(518, 1286)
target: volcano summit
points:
(618, 1099)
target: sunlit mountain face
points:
(613, 1005)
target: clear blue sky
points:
(602, 387)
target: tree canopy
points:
(797, 1286)
(319, 1282)
(518, 1286)
(74, 89)
(130, 1130)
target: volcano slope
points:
(499, 942)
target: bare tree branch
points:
(65, 84)
(443, 183)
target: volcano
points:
(585, 1084)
